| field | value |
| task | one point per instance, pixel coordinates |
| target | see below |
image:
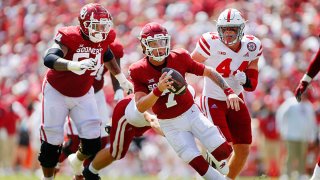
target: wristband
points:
(306, 78)
(120, 77)
(156, 91)
(228, 91)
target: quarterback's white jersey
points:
(226, 62)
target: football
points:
(179, 86)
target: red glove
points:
(300, 89)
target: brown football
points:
(179, 86)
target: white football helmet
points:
(230, 18)
(154, 39)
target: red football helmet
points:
(95, 22)
(155, 41)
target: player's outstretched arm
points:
(232, 99)
(312, 71)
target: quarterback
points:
(179, 117)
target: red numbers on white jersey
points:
(224, 67)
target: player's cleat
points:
(221, 166)
(89, 175)
(75, 164)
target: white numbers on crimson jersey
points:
(170, 102)
(77, 56)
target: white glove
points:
(241, 77)
(124, 83)
(118, 95)
(81, 65)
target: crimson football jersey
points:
(145, 78)
(78, 83)
(117, 50)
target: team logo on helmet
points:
(251, 46)
(83, 12)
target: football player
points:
(72, 143)
(127, 123)
(179, 117)
(235, 56)
(312, 71)
(74, 60)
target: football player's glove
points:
(118, 95)
(241, 77)
(86, 64)
(124, 83)
(304, 82)
(300, 89)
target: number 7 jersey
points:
(226, 61)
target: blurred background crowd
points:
(288, 29)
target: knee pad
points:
(187, 154)
(222, 152)
(90, 147)
(71, 146)
(49, 155)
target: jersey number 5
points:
(224, 67)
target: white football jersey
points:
(226, 62)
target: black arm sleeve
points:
(108, 55)
(52, 55)
(115, 82)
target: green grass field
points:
(60, 177)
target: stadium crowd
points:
(288, 30)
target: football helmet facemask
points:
(95, 22)
(155, 41)
(230, 19)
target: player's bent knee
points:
(222, 152)
(49, 155)
(90, 147)
(188, 154)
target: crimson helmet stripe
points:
(229, 15)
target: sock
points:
(93, 170)
(213, 174)
(76, 161)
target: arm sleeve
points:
(115, 82)
(252, 80)
(108, 55)
(314, 66)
